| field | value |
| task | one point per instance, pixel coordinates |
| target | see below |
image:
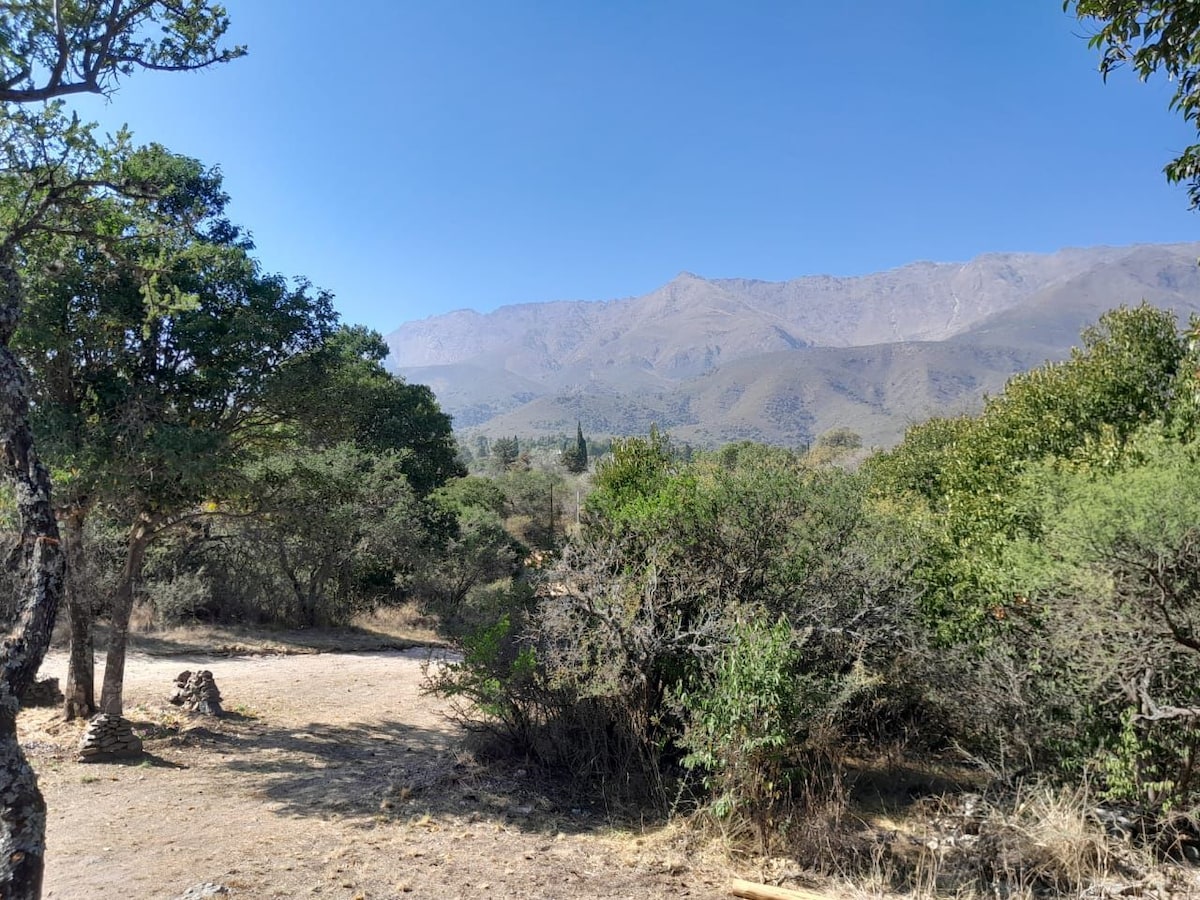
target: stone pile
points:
(108, 737)
(197, 692)
(44, 692)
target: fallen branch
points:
(753, 891)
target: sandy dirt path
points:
(332, 775)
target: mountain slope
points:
(724, 359)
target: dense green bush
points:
(746, 724)
(1018, 588)
(657, 603)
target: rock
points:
(197, 692)
(44, 692)
(178, 695)
(198, 891)
(108, 737)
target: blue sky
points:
(415, 158)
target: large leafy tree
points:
(88, 303)
(337, 521)
(152, 376)
(50, 167)
(341, 393)
(1153, 36)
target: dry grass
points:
(402, 622)
(1047, 840)
(1040, 842)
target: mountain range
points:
(718, 359)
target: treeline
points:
(485, 455)
(1018, 589)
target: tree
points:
(49, 165)
(575, 458)
(332, 518)
(633, 470)
(341, 393)
(531, 501)
(840, 439)
(505, 452)
(1126, 375)
(631, 624)
(1112, 584)
(1153, 36)
(476, 553)
(150, 376)
(82, 304)
(49, 51)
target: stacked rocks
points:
(197, 692)
(108, 737)
(44, 692)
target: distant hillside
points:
(780, 362)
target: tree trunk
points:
(140, 534)
(80, 692)
(22, 819)
(22, 810)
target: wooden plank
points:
(752, 891)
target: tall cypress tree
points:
(575, 459)
(581, 454)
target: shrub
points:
(744, 724)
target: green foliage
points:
(840, 439)
(340, 522)
(340, 391)
(88, 47)
(332, 531)
(628, 476)
(472, 493)
(454, 575)
(173, 380)
(575, 458)
(531, 506)
(1154, 36)
(967, 473)
(917, 468)
(496, 680)
(1019, 584)
(147, 405)
(1114, 576)
(505, 452)
(835, 444)
(54, 171)
(649, 598)
(1152, 765)
(745, 724)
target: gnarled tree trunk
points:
(80, 691)
(39, 555)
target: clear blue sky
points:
(418, 157)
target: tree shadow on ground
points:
(144, 761)
(213, 642)
(391, 770)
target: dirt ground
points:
(331, 775)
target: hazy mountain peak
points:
(782, 361)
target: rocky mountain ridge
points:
(714, 360)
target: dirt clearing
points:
(331, 775)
